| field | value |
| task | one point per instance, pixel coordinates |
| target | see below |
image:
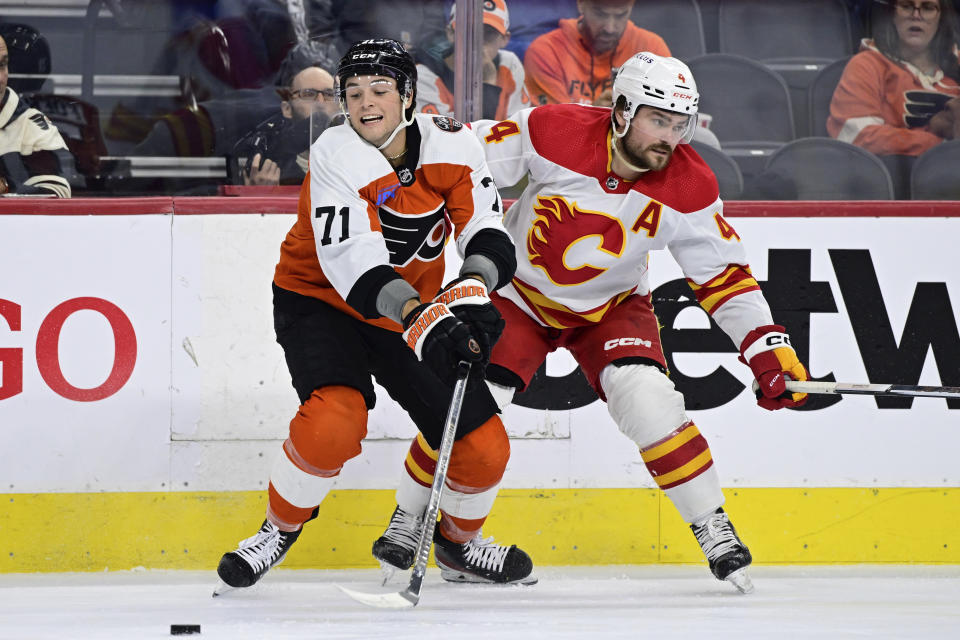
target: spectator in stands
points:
(276, 151)
(577, 61)
(413, 23)
(32, 152)
(503, 77)
(226, 87)
(899, 95)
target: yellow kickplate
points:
(191, 530)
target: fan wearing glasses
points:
(899, 95)
(276, 151)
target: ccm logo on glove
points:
(768, 353)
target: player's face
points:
(916, 22)
(4, 67)
(604, 21)
(374, 106)
(652, 137)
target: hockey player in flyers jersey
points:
(357, 291)
(606, 187)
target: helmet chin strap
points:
(404, 123)
(615, 138)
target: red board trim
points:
(287, 204)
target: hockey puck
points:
(184, 629)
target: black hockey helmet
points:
(29, 54)
(380, 57)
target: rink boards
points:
(143, 398)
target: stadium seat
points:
(823, 169)
(750, 106)
(767, 31)
(678, 22)
(820, 94)
(934, 174)
(729, 177)
(796, 39)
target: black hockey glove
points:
(439, 339)
(467, 298)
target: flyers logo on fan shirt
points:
(558, 227)
(410, 236)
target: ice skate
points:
(398, 544)
(254, 557)
(482, 560)
(726, 553)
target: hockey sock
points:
(325, 433)
(681, 465)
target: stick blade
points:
(393, 600)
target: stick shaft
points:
(412, 592)
(901, 390)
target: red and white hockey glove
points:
(439, 339)
(467, 298)
(768, 352)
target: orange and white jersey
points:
(435, 88)
(582, 234)
(360, 221)
(885, 106)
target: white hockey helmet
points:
(656, 81)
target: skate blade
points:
(741, 580)
(381, 600)
(222, 588)
(450, 575)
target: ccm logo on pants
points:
(626, 342)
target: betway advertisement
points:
(137, 354)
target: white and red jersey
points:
(361, 221)
(583, 234)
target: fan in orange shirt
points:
(899, 95)
(577, 61)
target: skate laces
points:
(259, 550)
(485, 553)
(716, 536)
(404, 529)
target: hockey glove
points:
(439, 339)
(467, 298)
(768, 352)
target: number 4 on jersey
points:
(331, 213)
(501, 130)
(725, 229)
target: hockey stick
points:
(796, 386)
(853, 388)
(410, 596)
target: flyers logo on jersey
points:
(559, 226)
(413, 236)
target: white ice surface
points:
(569, 602)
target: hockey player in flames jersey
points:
(605, 188)
(357, 291)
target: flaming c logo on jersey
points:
(560, 225)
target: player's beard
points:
(645, 158)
